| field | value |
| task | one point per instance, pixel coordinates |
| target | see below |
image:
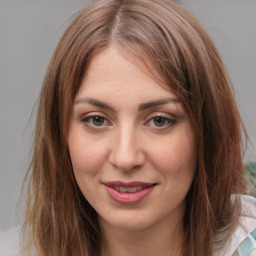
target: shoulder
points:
(10, 242)
(243, 240)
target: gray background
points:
(29, 31)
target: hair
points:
(58, 219)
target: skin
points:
(126, 139)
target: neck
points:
(157, 240)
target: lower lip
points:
(128, 198)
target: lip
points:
(128, 197)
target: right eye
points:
(95, 121)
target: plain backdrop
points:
(29, 32)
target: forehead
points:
(116, 69)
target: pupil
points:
(98, 120)
(159, 121)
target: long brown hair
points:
(58, 219)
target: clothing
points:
(243, 240)
(241, 243)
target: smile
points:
(128, 193)
(128, 189)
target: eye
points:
(95, 121)
(161, 121)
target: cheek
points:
(176, 157)
(86, 157)
(87, 160)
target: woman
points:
(137, 147)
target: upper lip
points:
(128, 184)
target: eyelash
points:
(167, 121)
(89, 121)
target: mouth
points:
(128, 193)
(128, 189)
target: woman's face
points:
(131, 145)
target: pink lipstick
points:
(128, 193)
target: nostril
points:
(127, 162)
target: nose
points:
(126, 150)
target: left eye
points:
(160, 121)
(95, 120)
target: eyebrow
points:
(141, 107)
(156, 103)
(94, 102)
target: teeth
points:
(132, 189)
(123, 189)
(128, 190)
(139, 188)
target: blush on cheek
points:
(86, 159)
(84, 164)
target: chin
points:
(126, 221)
